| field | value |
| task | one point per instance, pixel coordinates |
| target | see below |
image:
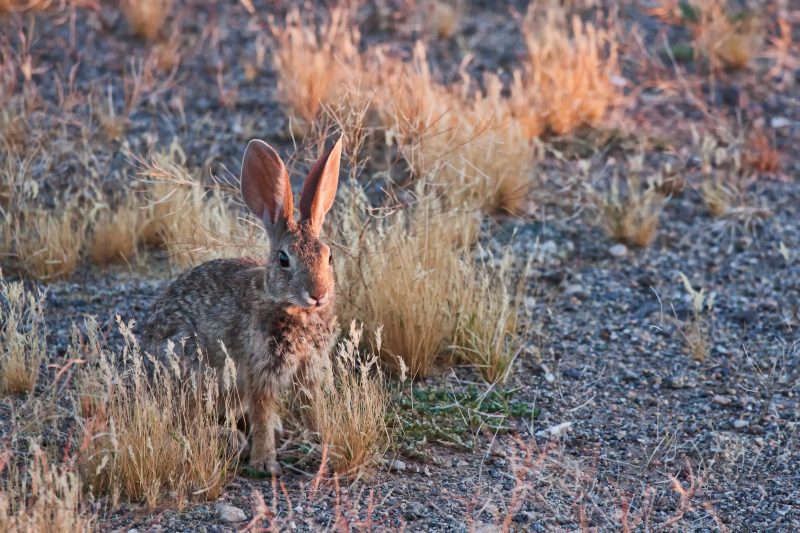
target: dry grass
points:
(411, 272)
(460, 138)
(42, 497)
(760, 153)
(22, 337)
(629, 214)
(727, 40)
(719, 197)
(695, 330)
(146, 17)
(193, 222)
(571, 77)
(115, 233)
(18, 6)
(349, 411)
(442, 18)
(489, 323)
(314, 62)
(402, 272)
(49, 244)
(162, 434)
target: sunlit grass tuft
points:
(349, 410)
(22, 337)
(157, 434)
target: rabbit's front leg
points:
(262, 411)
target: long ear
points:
(319, 189)
(265, 185)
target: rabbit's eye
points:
(283, 259)
(330, 258)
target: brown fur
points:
(274, 321)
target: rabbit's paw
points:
(267, 466)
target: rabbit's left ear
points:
(319, 189)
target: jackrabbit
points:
(275, 317)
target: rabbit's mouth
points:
(316, 300)
(306, 304)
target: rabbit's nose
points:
(319, 297)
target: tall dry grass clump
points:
(727, 39)
(489, 322)
(314, 62)
(115, 232)
(349, 410)
(45, 244)
(49, 243)
(41, 496)
(461, 137)
(412, 273)
(22, 337)
(146, 17)
(156, 433)
(695, 330)
(401, 272)
(570, 77)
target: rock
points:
(740, 424)
(555, 431)
(414, 511)
(779, 122)
(397, 465)
(229, 513)
(722, 400)
(575, 290)
(618, 250)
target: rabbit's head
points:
(299, 269)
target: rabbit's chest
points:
(284, 345)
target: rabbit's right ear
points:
(265, 185)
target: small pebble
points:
(229, 513)
(397, 465)
(779, 122)
(722, 400)
(739, 424)
(554, 431)
(618, 250)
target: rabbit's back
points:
(206, 305)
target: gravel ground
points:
(643, 425)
